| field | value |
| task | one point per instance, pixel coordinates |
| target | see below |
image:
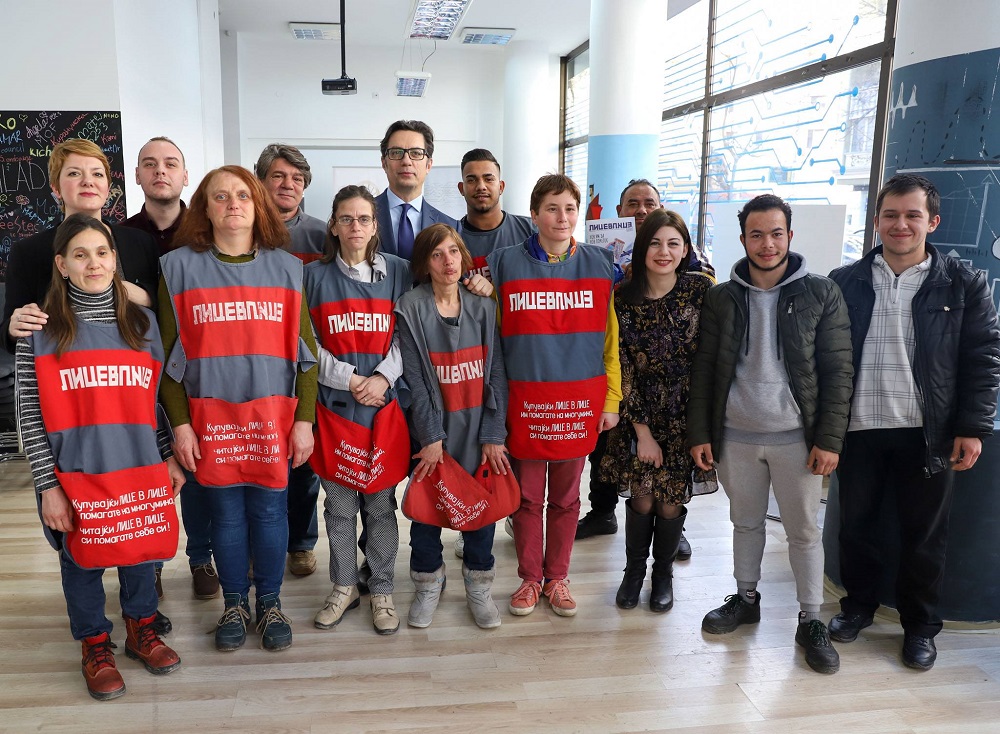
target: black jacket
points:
(29, 269)
(956, 363)
(815, 344)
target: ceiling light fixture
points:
(315, 31)
(487, 36)
(412, 83)
(437, 19)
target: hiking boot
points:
(479, 597)
(557, 592)
(821, 656)
(596, 523)
(142, 643)
(525, 599)
(231, 631)
(159, 585)
(274, 627)
(731, 615)
(845, 627)
(429, 587)
(301, 563)
(384, 617)
(205, 581)
(104, 682)
(162, 624)
(340, 600)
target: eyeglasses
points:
(396, 154)
(346, 221)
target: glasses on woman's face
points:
(396, 154)
(364, 220)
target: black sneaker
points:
(918, 652)
(231, 632)
(845, 627)
(274, 627)
(731, 615)
(596, 523)
(821, 656)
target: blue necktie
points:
(404, 237)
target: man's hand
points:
(26, 320)
(822, 463)
(300, 441)
(57, 512)
(965, 453)
(702, 455)
(478, 285)
(186, 447)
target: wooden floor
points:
(605, 670)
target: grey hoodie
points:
(761, 409)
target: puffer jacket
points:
(815, 344)
(956, 362)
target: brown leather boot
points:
(104, 682)
(142, 643)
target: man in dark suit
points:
(407, 155)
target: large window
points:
(769, 96)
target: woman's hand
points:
(607, 422)
(370, 390)
(430, 456)
(137, 295)
(478, 285)
(185, 446)
(300, 441)
(26, 320)
(496, 454)
(57, 512)
(177, 477)
(647, 450)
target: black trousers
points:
(603, 496)
(887, 465)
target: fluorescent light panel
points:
(315, 31)
(437, 19)
(411, 83)
(487, 36)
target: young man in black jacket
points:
(926, 370)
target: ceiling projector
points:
(344, 85)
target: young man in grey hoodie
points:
(770, 396)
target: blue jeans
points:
(426, 549)
(303, 519)
(196, 515)
(84, 591)
(249, 521)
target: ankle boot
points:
(104, 682)
(479, 596)
(666, 538)
(638, 535)
(429, 587)
(143, 644)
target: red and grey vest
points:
(98, 404)
(455, 366)
(513, 230)
(553, 320)
(237, 353)
(357, 446)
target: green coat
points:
(815, 334)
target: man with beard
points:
(770, 397)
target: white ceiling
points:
(561, 25)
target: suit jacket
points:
(387, 235)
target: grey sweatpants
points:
(746, 473)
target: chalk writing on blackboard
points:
(27, 204)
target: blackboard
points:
(27, 204)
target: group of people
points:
(288, 353)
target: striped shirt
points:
(99, 308)
(885, 391)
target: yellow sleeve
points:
(612, 364)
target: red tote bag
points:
(449, 497)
